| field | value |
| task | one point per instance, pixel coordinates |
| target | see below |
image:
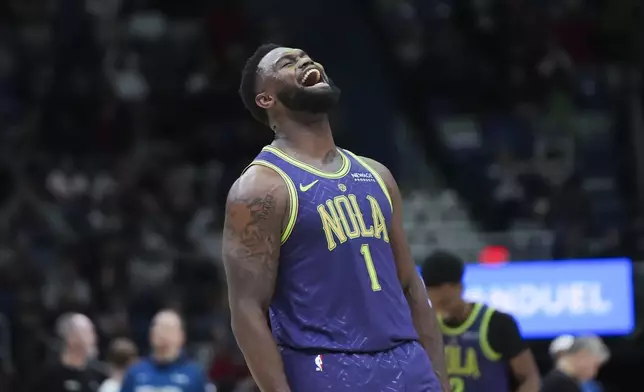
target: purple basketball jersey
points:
(472, 365)
(337, 286)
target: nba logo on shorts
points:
(319, 366)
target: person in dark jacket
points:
(71, 371)
(577, 361)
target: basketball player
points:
(314, 233)
(483, 347)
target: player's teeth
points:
(309, 73)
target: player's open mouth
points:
(311, 77)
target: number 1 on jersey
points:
(373, 275)
(457, 384)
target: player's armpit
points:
(255, 209)
(422, 313)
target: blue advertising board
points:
(549, 298)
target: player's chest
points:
(463, 356)
(344, 216)
(341, 200)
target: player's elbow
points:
(246, 316)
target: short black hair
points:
(121, 353)
(442, 268)
(248, 84)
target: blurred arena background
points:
(512, 126)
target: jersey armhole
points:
(292, 196)
(376, 175)
(486, 348)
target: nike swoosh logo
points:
(305, 188)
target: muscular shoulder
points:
(258, 179)
(255, 210)
(259, 188)
(379, 168)
(382, 170)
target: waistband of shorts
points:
(323, 351)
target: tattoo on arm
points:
(251, 246)
(254, 243)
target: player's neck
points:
(464, 312)
(294, 124)
(314, 140)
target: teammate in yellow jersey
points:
(484, 349)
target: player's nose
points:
(305, 63)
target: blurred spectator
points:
(577, 361)
(120, 355)
(167, 338)
(72, 371)
(570, 215)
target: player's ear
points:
(264, 100)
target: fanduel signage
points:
(549, 298)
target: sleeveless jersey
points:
(337, 287)
(472, 365)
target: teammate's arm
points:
(255, 208)
(422, 313)
(505, 338)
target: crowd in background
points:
(119, 126)
(533, 101)
(121, 131)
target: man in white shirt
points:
(121, 354)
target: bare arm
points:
(526, 372)
(255, 209)
(422, 313)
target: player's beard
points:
(316, 101)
